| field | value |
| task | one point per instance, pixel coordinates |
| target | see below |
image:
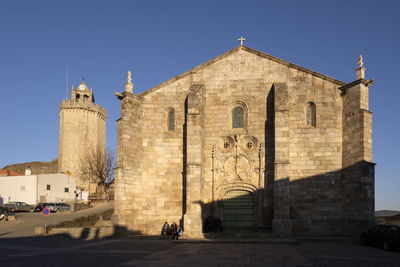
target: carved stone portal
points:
(237, 160)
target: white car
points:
(57, 207)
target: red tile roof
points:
(4, 172)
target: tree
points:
(97, 167)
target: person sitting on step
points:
(165, 230)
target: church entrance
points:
(238, 210)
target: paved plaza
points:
(64, 251)
(18, 247)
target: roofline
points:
(250, 50)
(289, 64)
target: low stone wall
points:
(87, 233)
(9, 218)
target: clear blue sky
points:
(158, 40)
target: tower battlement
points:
(85, 105)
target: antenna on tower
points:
(66, 81)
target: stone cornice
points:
(366, 111)
(281, 162)
(356, 82)
(247, 49)
(128, 94)
(367, 162)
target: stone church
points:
(246, 141)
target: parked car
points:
(386, 236)
(15, 206)
(40, 206)
(57, 207)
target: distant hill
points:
(386, 213)
(37, 167)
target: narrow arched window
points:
(311, 116)
(238, 117)
(171, 120)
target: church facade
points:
(246, 141)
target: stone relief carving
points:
(237, 160)
(248, 143)
(237, 168)
(226, 144)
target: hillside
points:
(386, 213)
(37, 167)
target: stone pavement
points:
(64, 251)
(224, 254)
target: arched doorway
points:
(238, 210)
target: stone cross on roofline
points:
(241, 40)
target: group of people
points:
(173, 230)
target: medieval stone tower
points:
(82, 128)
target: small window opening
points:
(237, 117)
(66, 189)
(48, 187)
(311, 114)
(227, 145)
(171, 120)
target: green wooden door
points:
(238, 210)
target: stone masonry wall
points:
(342, 199)
(308, 159)
(357, 184)
(130, 200)
(281, 221)
(82, 127)
(357, 124)
(162, 159)
(304, 151)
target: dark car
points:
(19, 206)
(386, 236)
(57, 207)
(40, 206)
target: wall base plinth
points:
(282, 228)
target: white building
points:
(57, 187)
